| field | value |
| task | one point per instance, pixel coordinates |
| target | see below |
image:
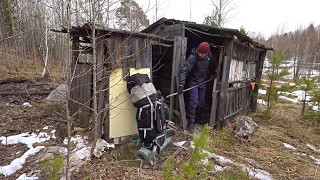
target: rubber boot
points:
(190, 128)
(198, 116)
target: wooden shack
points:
(160, 50)
(238, 58)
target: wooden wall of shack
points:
(231, 93)
(229, 97)
(113, 50)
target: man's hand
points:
(180, 89)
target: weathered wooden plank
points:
(111, 53)
(259, 68)
(214, 105)
(177, 67)
(181, 97)
(137, 53)
(173, 73)
(149, 57)
(224, 83)
(100, 84)
(125, 63)
(213, 111)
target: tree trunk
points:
(45, 73)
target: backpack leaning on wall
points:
(152, 112)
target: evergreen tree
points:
(275, 73)
(194, 167)
(307, 84)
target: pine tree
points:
(307, 84)
(194, 167)
(275, 73)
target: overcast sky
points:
(254, 15)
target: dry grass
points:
(10, 67)
(282, 125)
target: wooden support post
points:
(172, 90)
(179, 56)
(224, 83)
(259, 68)
(213, 112)
(100, 84)
(182, 108)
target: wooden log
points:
(24, 93)
(15, 80)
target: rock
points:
(47, 156)
(58, 95)
(244, 129)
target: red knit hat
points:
(204, 47)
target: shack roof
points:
(201, 28)
(86, 30)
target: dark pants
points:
(197, 100)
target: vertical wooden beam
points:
(259, 68)
(100, 84)
(182, 107)
(73, 89)
(224, 82)
(173, 73)
(213, 112)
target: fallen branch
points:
(174, 154)
(24, 93)
(29, 117)
(59, 120)
(14, 80)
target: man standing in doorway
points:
(196, 68)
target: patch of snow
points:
(24, 138)
(256, 173)
(83, 152)
(312, 147)
(26, 104)
(219, 168)
(261, 101)
(315, 108)
(53, 134)
(45, 128)
(262, 91)
(180, 144)
(317, 160)
(253, 173)
(25, 177)
(288, 146)
(289, 99)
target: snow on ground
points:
(288, 146)
(25, 177)
(312, 147)
(261, 101)
(25, 138)
(253, 173)
(317, 160)
(262, 91)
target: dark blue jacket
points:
(196, 69)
